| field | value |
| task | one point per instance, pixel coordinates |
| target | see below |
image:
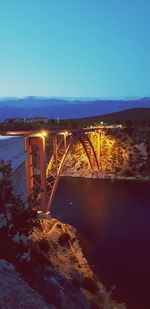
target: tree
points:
(16, 219)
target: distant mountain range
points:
(65, 108)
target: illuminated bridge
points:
(43, 169)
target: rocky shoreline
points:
(107, 177)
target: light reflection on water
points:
(115, 219)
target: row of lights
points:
(44, 133)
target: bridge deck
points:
(56, 131)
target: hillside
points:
(134, 115)
(124, 154)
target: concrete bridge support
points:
(32, 178)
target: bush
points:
(90, 285)
(64, 239)
(44, 244)
(73, 259)
(127, 173)
(16, 220)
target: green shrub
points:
(73, 259)
(127, 173)
(44, 244)
(64, 239)
(90, 285)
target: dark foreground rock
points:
(15, 292)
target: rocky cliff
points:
(15, 292)
(54, 274)
(124, 154)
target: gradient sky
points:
(75, 48)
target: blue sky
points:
(75, 48)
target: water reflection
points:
(115, 219)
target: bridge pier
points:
(29, 166)
(65, 141)
(31, 179)
(42, 173)
(99, 147)
(55, 149)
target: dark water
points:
(115, 219)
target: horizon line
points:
(74, 98)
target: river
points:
(114, 219)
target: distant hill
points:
(63, 108)
(134, 115)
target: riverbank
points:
(103, 176)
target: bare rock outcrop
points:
(15, 292)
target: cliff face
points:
(55, 274)
(124, 154)
(66, 280)
(15, 292)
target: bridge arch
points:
(56, 163)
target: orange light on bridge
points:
(64, 133)
(43, 133)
